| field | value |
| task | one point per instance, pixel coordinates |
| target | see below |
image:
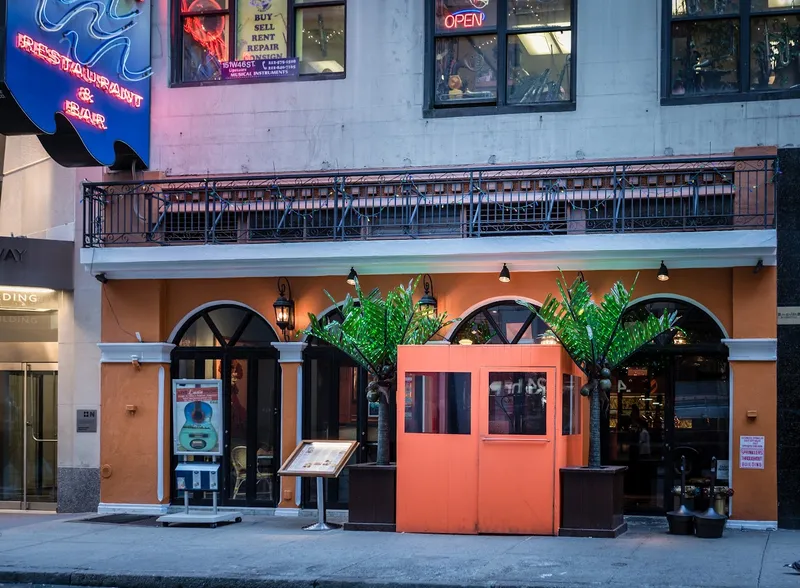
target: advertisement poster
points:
(261, 31)
(197, 414)
(260, 69)
(751, 452)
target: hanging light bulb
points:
(663, 273)
(505, 275)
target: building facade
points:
(459, 139)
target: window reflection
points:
(705, 57)
(539, 13)
(704, 7)
(775, 53)
(518, 403)
(570, 405)
(538, 67)
(466, 69)
(205, 45)
(438, 403)
(320, 39)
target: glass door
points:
(28, 435)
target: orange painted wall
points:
(129, 443)
(743, 302)
(756, 491)
(290, 379)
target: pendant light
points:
(663, 273)
(352, 276)
(505, 275)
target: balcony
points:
(644, 196)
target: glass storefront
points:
(28, 398)
(670, 401)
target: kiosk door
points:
(516, 454)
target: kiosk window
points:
(570, 405)
(518, 403)
(438, 403)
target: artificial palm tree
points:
(598, 338)
(370, 331)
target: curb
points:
(106, 580)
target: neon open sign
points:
(465, 19)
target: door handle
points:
(35, 438)
(513, 440)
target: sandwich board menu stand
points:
(197, 412)
(319, 459)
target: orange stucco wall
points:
(743, 302)
(289, 382)
(129, 444)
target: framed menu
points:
(318, 459)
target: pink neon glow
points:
(83, 73)
(81, 113)
(467, 19)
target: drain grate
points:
(123, 519)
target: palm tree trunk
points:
(383, 430)
(594, 425)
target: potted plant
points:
(598, 338)
(371, 329)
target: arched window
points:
(499, 323)
(699, 329)
(226, 326)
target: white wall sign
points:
(789, 315)
(751, 452)
(723, 469)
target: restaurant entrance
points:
(234, 344)
(669, 401)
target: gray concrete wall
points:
(373, 118)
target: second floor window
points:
(210, 34)
(734, 49)
(502, 55)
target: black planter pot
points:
(710, 524)
(373, 491)
(591, 502)
(681, 521)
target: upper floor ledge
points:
(629, 251)
(713, 193)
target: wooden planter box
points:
(373, 491)
(591, 502)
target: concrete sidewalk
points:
(275, 552)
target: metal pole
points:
(321, 525)
(25, 436)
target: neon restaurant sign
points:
(76, 73)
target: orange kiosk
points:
(482, 431)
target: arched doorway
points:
(234, 343)
(501, 322)
(335, 407)
(670, 400)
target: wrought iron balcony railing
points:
(700, 194)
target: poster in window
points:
(197, 414)
(261, 30)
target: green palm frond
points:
(594, 335)
(373, 327)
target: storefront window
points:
(438, 403)
(524, 58)
(732, 47)
(570, 405)
(518, 403)
(216, 33)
